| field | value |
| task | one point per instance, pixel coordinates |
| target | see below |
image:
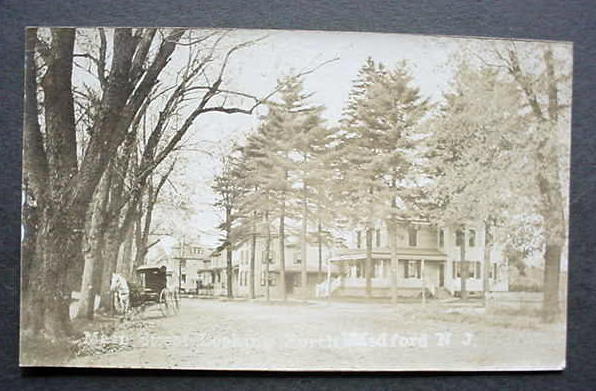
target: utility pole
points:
(182, 245)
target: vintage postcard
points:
(294, 200)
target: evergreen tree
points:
(379, 128)
(229, 191)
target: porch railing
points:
(327, 287)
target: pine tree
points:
(229, 191)
(310, 143)
(379, 126)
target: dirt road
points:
(318, 336)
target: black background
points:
(561, 20)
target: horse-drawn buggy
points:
(155, 287)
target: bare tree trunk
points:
(30, 219)
(267, 257)
(488, 246)
(60, 225)
(282, 250)
(553, 204)
(93, 249)
(304, 250)
(552, 305)
(253, 249)
(229, 267)
(320, 248)
(126, 262)
(110, 258)
(143, 238)
(394, 261)
(139, 252)
(463, 270)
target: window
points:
(472, 238)
(473, 269)
(357, 270)
(441, 238)
(412, 237)
(297, 259)
(459, 238)
(456, 269)
(378, 235)
(493, 272)
(412, 269)
(183, 278)
(263, 279)
(358, 239)
(382, 268)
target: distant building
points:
(190, 260)
(214, 277)
(428, 261)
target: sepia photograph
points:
(275, 200)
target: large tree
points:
(502, 153)
(229, 190)
(379, 128)
(64, 166)
(544, 87)
(469, 150)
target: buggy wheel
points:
(163, 302)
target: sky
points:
(256, 69)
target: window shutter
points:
(418, 269)
(407, 269)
